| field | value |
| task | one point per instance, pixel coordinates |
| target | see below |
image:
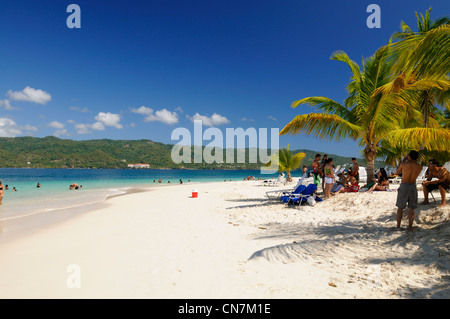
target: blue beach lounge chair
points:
(278, 193)
(287, 195)
(303, 197)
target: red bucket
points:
(194, 193)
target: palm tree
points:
(421, 68)
(393, 101)
(367, 114)
(422, 53)
(286, 161)
(409, 60)
(424, 24)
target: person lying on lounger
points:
(381, 184)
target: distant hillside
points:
(52, 152)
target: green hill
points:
(52, 152)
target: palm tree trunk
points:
(370, 170)
(370, 154)
(289, 177)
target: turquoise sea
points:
(98, 184)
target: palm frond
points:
(322, 125)
(354, 67)
(325, 104)
(437, 139)
(424, 54)
(286, 160)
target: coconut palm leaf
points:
(424, 54)
(326, 105)
(287, 161)
(354, 67)
(414, 138)
(322, 125)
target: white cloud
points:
(103, 119)
(179, 109)
(163, 115)
(60, 128)
(82, 128)
(98, 126)
(59, 133)
(29, 128)
(7, 105)
(108, 119)
(244, 119)
(9, 128)
(30, 95)
(270, 117)
(56, 124)
(143, 110)
(214, 120)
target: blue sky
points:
(140, 69)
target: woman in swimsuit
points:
(316, 170)
(382, 184)
(329, 177)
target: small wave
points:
(98, 197)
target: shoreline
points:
(232, 242)
(16, 227)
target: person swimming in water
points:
(74, 186)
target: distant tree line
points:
(52, 152)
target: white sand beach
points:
(231, 242)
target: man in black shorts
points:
(407, 192)
(442, 182)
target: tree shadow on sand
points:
(253, 202)
(371, 242)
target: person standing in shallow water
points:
(407, 192)
(2, 192)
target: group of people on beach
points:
(437, 177)
(323, 175)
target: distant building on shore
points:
(138, 165)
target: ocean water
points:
(98, 184)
